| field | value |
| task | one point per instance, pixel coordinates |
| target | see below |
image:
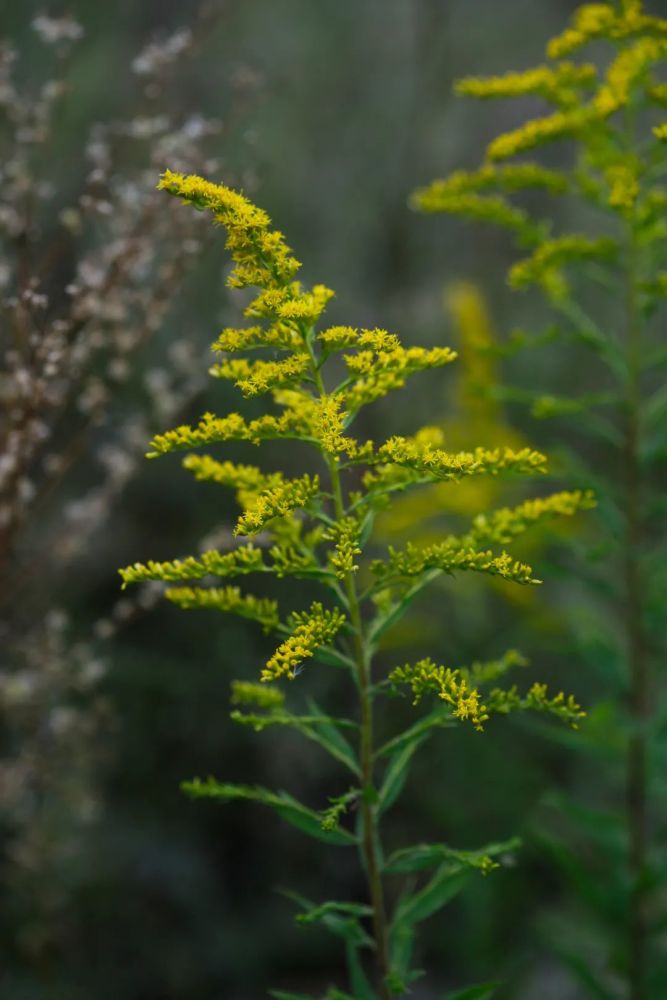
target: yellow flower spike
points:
(553, 83)
(345, 535)
(279, 501)
(246, 559)
(311, 630)
(228, 599)
(261, 695)
(254, 378)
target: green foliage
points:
(317, 526)
(606, 287)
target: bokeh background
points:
(328, 114)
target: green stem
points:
(636, 774)
(369, 818)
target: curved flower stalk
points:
(606, 286)
(318, 526)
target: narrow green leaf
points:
(397, 772)
(439, 718)
(326, 732)
(288, 808)
(422, 856)
(483, 991)
(386, 621)
(338, 918)
(401, 945)
(281, 995)
(331, 906)
(358, 980)
(447, 882)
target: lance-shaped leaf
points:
(424, 856)
(285, 805)
(396, 773)
(447, 882)
(482, 991)
(321, 729)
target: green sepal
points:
(285, 805)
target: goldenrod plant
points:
(606, 284)
(318, 527)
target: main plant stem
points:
(636, 775)
(369, 819)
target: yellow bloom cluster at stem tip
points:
(229, 599)
(307, 532)
(448, 684)
(277, 502)
(311, 630)
(453, 686)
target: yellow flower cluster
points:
(386, 366)
(294, 422)
(479, 674)
(623, 181)
(244, 478)
(507, 177)
(554, 83)
(329, 423)
(262, 695)
(502, 526)
(448, 684)
(536, 699)
(250, 338)
(456, 689)
(451, 556)
(262, 258)
(625, 71)
(279, 501)
(312, 630)
(539, 131)
(238, 562)
(601, 20)
(345, 534)
(230, 599)
(431, 463)
(544, 264)
(480, 208)
(336, 338)
(254, 378)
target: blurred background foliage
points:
(329, 114)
